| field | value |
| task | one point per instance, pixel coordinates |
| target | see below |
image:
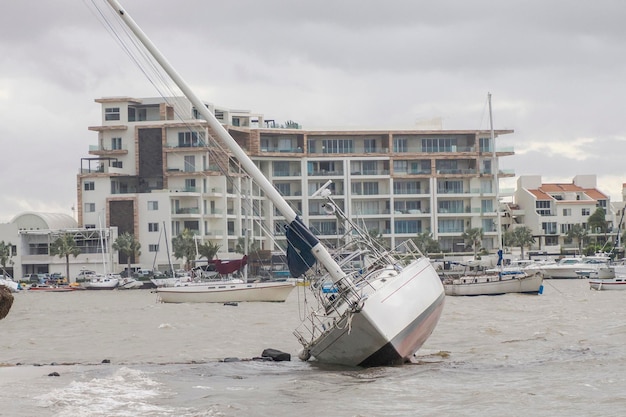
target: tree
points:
(129, 246)
(579, 233)
(597, 221)
(6, 253)
(521, 237)
(184, 247)
(426, 244)
(473, 238)
(208, 250)
(63, 247)
(240, 247)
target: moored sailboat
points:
(378, 315)
(499, 280)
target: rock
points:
(231, 359)
(106, 361)
(276, 355)
(6, 301)
(54, 374)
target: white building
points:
(551, 209)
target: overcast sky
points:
(556, 70)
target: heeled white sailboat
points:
(378, 315)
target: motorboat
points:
(574, 267)
(495, 284)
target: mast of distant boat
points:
(496, 181)
(319, 252)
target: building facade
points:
(550, 210)
(157, 169)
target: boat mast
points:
(495, 175)
(320, 252)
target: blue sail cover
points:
(300, 241)
(499, 257)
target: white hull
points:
(129, 283)
(10, 284)
(101, 283)
(492, 285)
(393, 323)
(608, 284)
(226, 292)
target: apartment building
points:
(551, 209)
(157, 169)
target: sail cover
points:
(229, 266)
(300, 241)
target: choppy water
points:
(562, 353)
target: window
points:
(190, 139)
(549, 228)
(486, 206)
(552, 240)
(369, 145)
(153, 205)
(407, 226)
(586, 212)
(90, 207)
(450, 225)
(439, 145)
(485, 144)
(90, 226)
(400, 167)
(450, 187)
(190, 163)
(283, 188)
(153, 248)
(567, 212)
(112, 113)
(400, 145)
(89, 186)
(116, 164)
(153, 227)
(452, 206)
(337, 146)
(116, 143)
(190, 185)
(370, 188)
(542, 207)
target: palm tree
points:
(6, 253)
(184, 247)
(208, 250)
(63, 247)
(522, 237)
(240, 247)
(129, 246)
(426, 244)
(473, 238)
(579, 233)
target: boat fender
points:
(304, 355)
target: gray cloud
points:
(555, 69)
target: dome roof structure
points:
(44, 221)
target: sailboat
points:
(380, 314)
(106, 280)
(500, 280)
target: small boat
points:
(51, 288)
(102, 282)
(226, 291)
(495, 284)
(128, 283)
(617, 283)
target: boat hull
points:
(607, 284)
(227, 292)
(491, 285)
(393, 323)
